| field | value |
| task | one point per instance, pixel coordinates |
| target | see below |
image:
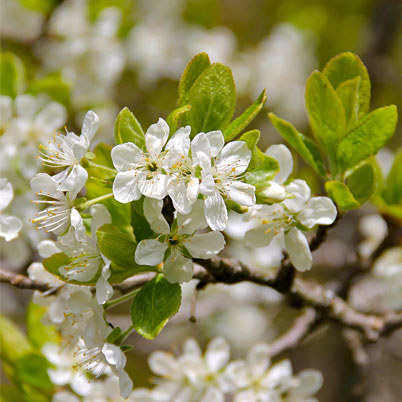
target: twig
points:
(22, 281)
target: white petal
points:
(207, 186)
(216, 141)
(274, 192)
(156, 137)
(191, 347)
(125, 384)
(126, 156)
(153, 214)
(192, 189)
(114, 355)
(205, 245)
(238, 373)
(52, 116)
(75, 181)
(162, 363)
(217, 354)
(298, 250)
(177, 191)
(43, 183)
(200, 144)
(216, 213)
(234, 157)
(284, 157)
(90, 125)
(300, 192)
(104, 290)
(100, 217)
(178, 269)
(10, 227)
(156, 187)
(46, 248)
(180, 141)
(258, 359)
(126, 186)
(78, 224)
(260, 236)
(26, 106)
(213, 394)
(310, 382)
(240, 192)
(280, 376)
(317, 211)
(188, 224)
(150, 252)
(6, 193)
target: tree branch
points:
(22, 281)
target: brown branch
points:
(300, 328)
(22, 281)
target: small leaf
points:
(175, 116)
(54, 262)
(251, 138)
(392, 192)
(347, 66)
(306, 147)
(154, 304)
(212, 98)
(114, 335)
(362, 183)
(326, 114)
(12, 75)
(128, 129)
(241, 122)
(31, 368)
(367, 136)
(341, 195)
(193, 70)
(142, 229)
(38, 333)
(348, 94)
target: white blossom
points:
(374, 229)
(10, 226)
(66, 151)
(222, 169)
(61, 213)
(180, 240)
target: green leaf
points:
(306, 147)
(347, 66)
(44, 6)
(241, 122)
(31, 368)
(154, 304)
(53, 85)
(212, 98)
(326, 114)
(175, 116)
(117, 246)
(38, 333)
(367, 136)
(348, 94)
(142, 229)
(362, 183)
(193, 70)
(341, 195)
(13, 343)
(12, 75)
(392, 193)
(128, 129)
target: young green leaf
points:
(341, 195)
(31, 368)
(347, 66)
(348, 94)
(392, 192)
(306, 147)
(175, 116)
(241, 122)
(128, 129)
(366, 137)
(154, 304)
(326, 114)
(12, 75)
(193, 70)
(212, 98)
(53, 85)
(142, 229)
(362, 183)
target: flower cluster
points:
(194, 376)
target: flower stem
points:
(88, 203)
(94, 165)
(120, 299)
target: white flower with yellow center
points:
(222, 169)
(10, 226)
